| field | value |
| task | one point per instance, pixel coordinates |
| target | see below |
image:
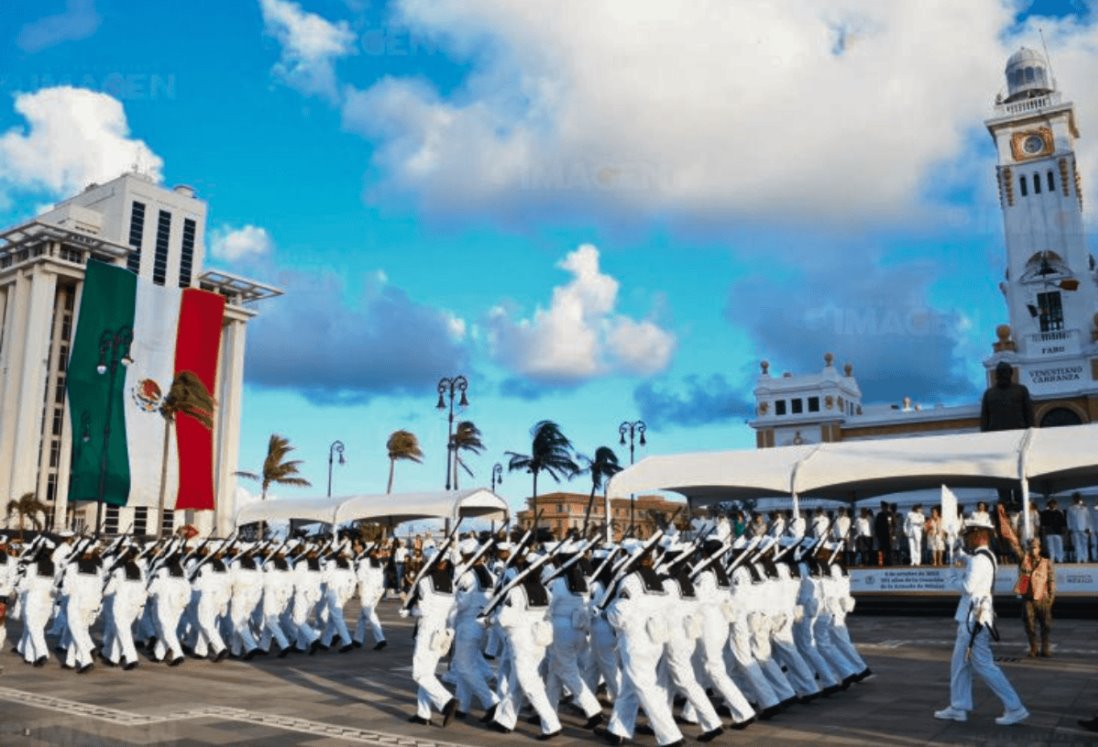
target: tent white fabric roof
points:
(397, 507)
(1052, 459)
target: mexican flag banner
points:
(165, 331)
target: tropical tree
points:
(28, 507)
(187, 396)
(466, 438)
(604, 466)
(550, 452)
(402, 445)
(276, 470)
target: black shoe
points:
(786, 703)
(448, 711)
(497, 726)
(356, 644)
(419, 720)
(335, 639)
(108, 662)
(677, 743)
(460, 715)
(489, 715)
(741, 725)
(129, 666)
(220, 655)
(176, 661)
(709, 736)
(283, 653)
(645, 729)
(345, 649)
(1091, 725)
(41, 661)
(593, 721)
(66, 666)
(314, 647)
(250, 655)
(847, 682)
(381, 644)
(550, 735)
(724, 710)
(768, 713)
(84, 669)
(863, 675)
(608, 736)
(830, 690)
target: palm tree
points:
(465, 438)
(550, 452)
(27, 506)
(275, 470)
(601, 468)
(188, 395)
(402, 445)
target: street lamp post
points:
(448, 387)
(497, 478)
(114, 349)
(633, 429)
(335, 448)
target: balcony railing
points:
(1029, 105)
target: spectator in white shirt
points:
(913, 530)
(1078, 524)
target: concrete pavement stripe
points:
(287, 723)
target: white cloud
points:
(310, 45)
(836, 110)
(579, 336)
(235, 244)
(73, 137)
(78, 21)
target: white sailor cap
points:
(65, 534)
(981, 522)
(740, 543)
(570, 547)
(531, 556)
(429, 551)
(468, 546)
(3, 539)
(601, 554)
(504, 547)
(631, 545)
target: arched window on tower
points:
(1036, 184)
(1030, 75)
(1051, 183)
(1024, 190)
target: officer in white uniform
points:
(370, 573)
(975, 626)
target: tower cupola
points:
(1028, 75)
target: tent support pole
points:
(1027, 523)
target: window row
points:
(1024, 183)
(796, 406)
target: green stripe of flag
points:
(106, 306)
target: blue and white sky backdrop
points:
(596, 211)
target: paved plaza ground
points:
(364, 697)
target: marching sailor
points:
(370, 573)
(431, 603)
(473, 586)
(124, 600)
(975, 629)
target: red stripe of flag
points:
(196, 348)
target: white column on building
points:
(11, 368)
(32, 381)
(227, 442)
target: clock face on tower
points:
(1031, 144)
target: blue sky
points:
(596, 212)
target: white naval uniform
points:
(810, 598)
(685, 624)
(527, 632)
(8, 566)
(124, 599)
(170, 593)
(434, 600)
(246, 578)
(371, 587)
(913, 530)
(35, 592)
(82, 585)
(976, 587)
(339, 588)
(569, 612)
(278, 590)
(637, 614)
(714, 590)
(211, 587)
(798, 672)
(744, 589)
(471, 591)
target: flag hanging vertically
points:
(173, 331)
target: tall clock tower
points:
(1051, 282)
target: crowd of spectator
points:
(888, 536)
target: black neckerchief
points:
(88, 567)
(483, 577)
(133, 571)
(577, 582)
(217, 565)
(247, 562)
(793, 565)
(651, 580)
(175, 569)
(442, 581)
(536, 593)
(756, 577)
(686, 586)
(313, 564)
(343, 564)
(769, 567)
(720, 574)
(374, 562)
(45, 567)
(280, 564)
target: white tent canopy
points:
(1051, 459)
(390, 507)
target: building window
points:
(813, 404)
(58, 419)
(1036, 184)
(1051, 312)
(51, 488)
(186, 260)
(779, 407)
(1025, 191)
(798, 406)
(1051, 183)
(140, 520)
(167, 522)
(110, 521)
(137, 230)
(160, 260)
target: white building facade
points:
(155, 232)
(1050, 288)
